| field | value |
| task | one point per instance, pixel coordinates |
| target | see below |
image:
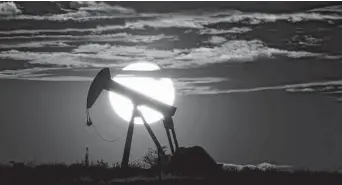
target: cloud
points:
(301, 89)
(184, 86)
(39, 73)
(259, 18)
(287, 87)
(35, 44)
(217, 40)
(8, 8)
(93, 11)
(206, 86)
(306, 40)
(123, 37)
(62, 78)
(333, 88)
(167, 21)
(232, 51)
(98, 29)
(97, 55)
(86, 11)
(186, 19)
(212, 31)
(200, 21)
(64, 60)
(198, 86)
(202, 80)
(127, 53)
(336, 8)
(91, 6)
(74, 16)
(28, 73)
(94, 55)
(91, 48)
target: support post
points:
(168, 123)
(170, 140)
(167, 129)
(174, 137)
(159, 166)
(125, 158)
(154, 138)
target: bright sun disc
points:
(161, 89)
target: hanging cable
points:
(90, 123)
(104, 139)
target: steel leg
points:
(154, 138)
(125, 158)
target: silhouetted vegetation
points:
(144, 172)
(151, 157)
(103, 173)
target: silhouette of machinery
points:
(184, 157)
(103, 81)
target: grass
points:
(101, 173)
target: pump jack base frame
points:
(137, 113)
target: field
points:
(102, 173)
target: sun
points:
(161, 89)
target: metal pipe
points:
(125, 158)
(139, 98)
(154, 138)
(168, 123)
(174, 137)
(170, 140)
(167, 129)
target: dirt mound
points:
(194, 160)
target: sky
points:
(255, 82)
